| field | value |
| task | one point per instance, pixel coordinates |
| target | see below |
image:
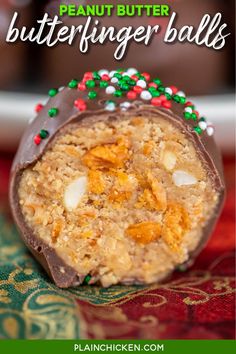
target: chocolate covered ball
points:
(117, 180)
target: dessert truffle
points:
(117, 180)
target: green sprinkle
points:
(117, 93)
(126, 78)
(124, 87)
(52, 92)
(176, 98)
(118, 76)
(152, 89)
(52, 112)
(157, 81)
(202, 119)
(155, 93)
(73, 84)
(87, 279)
(92, 95)
(132, 82)
(194, 116)
(96, 76)
(109, 102)
(168, 96)
(90, 83)
(198, 130)
(182, 100)
(161, 88)
(43, 134)
(187, 115)
(103, 84)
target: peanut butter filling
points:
(122, 201)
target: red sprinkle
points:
(131, 95)
(163, 98)
(80, 104)
(88, 75)
(37, 140)
(147, 76)
(174, 89)
(105, 77)
(134, 77)
(81, 86)
(38, 108)
(156, 101)
(166, 104)
(152, 84)
(188, 104)
(137, 89)
(197, 113)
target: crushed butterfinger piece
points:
(108, 155)
(176, 223)
(136, 121)
(116, 196)
(96, 183)
(56, 229)
(144, 232)
(148, 147)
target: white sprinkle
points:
(188, 110)
(182, 178)
(125, 105)
(110, 107)
(132, 71)
(210, 130)
(141, 83)
(169, 91)
(103, 72)
(146, 95)
(181, 94)
(202, 124)
(112, 73)
(114, 80)
(110, 90)
(61, 88)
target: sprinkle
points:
(161, 88)
(105, 77)
(146, 95)
(181, 94)
(188, 109)
(110, 90)
(134, 77)
(43, 134)
(52, 112)
(131, 95)
(73, 84)
(114, 80)
(117, 93)
(194, 116)
(210, 130)
(157, 81)
(119, 76)
(141, 83)
(110, 106)
(87, 279)
(103, 84)
(80, 104)
(124, 87)
(52, 92)
(92, 95)
(132, 71)
(103, 72)
(155, 93)
(152, 84)
(187, 115)
(137, 89)
(182, 100)
(162, 98)
(156, 101)
(146, 76)
(96, 76)
(112, 73)
(174, 89)
(81, 86)
(90, 83)
(38, 107)
(176, 98)
(88, 75)
(197, 130)
(166, 104)
(202, 125)
(125, 105)
(168, 90)
(37, 140)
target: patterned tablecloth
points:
(197, 304)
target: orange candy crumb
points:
(144, 232)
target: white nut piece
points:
(169, 160)
(183, 178)
(74, 192)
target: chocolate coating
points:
(28, 153)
